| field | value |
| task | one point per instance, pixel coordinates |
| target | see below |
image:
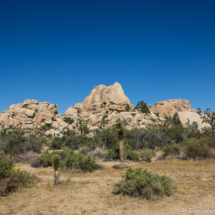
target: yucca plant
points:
(56, 165)
(120, 136)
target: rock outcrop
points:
(29, 114)
(170, 107)
(101, 108)
(182, 118)
(104, 95)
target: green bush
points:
(11, 180)
(6, 167)
(68, 159)
(56, 143)
(15, 142)
(147, 153)
(143, 184)
(68, 120)
(129, 154)
(195, 148)
(173, 149)
(127, 108)
(112, 154)
(142, 107)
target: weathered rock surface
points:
(170, 107)
(102, 108)
(182, 118)
(103, 95)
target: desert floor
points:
(90, 193)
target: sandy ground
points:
(90, 193)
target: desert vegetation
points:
(77, 155)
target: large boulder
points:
(182, 118)
(70, 112)
(4, 120)
(103, 95)
(170, 107)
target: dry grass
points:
(90, 193)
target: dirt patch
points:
(90, 193)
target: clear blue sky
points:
(57, 51)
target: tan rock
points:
(170, 107)
(93, 120)
(48, 122)
(40, 119)
(4, 120)
(103, 95)
(182, 118)
(71, 112)
(30, 113)
(55, 125)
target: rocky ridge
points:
(101, 108)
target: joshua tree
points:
(209, 117)
(56, 164)
(120, 136)
(82, 126)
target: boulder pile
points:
(101, 108)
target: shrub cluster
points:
(10, 179)
(129, 154)
(68, 159)
(143, 184)
(15, 142)
(68, 120)
(111, 155)
(197, 149)
(147, 153)
(173, 149)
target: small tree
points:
(56, 165)
(127, 108)
(142, 107)
(120, 136)
(209, 117)
(82, 126)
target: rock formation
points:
(101, 108)
(182, 118)
(170, 107)
(105, 95)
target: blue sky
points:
(57, 51)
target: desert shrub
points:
(147, 153)
(177, 133)
(143, 184)
(68, 120)
(75, 142)
(79, 161)
(15, 142)
(37, 162)
(68, 159)
(127, 108)
(173, 149)
(97, 153)
(195, 148)
(106, 137)
(111, 155)
(25, 157)
(142, 107)
(129, 154)
(209, 140)
(44, 128)
(56, 143)
(11, 180)
(6, 167)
